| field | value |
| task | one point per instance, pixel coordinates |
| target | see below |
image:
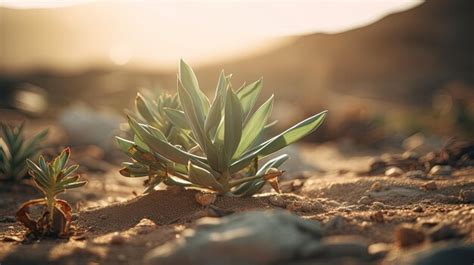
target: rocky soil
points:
(352, 207)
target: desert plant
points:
(229, 138)
(51, 179)
(152, 112)
(16, 150)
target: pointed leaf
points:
(248, 95)
(202, 177)
(233, 124)
(254, 126)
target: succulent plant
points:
(153, 112)
(51, 179)
(229, 136)
(16, 150)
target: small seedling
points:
(15, 150)
(51, 179)
(229, 140)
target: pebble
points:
(407, 237)
(393, 172)
(335, 223)
(418, 174)
(364, 200)
(205, 199)
(379, 250)
(145, 226)
(278, 201)
(430, 185)
(376, 186)
(441, 170)
(443, 231)
(378, 206)
(297, 184)
(305, 206)
(467, 196)
(418, 209)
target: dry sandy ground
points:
(116, 226)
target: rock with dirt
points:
(242, 239)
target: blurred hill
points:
(402, 61)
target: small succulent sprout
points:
(51, 179)
(229, 139)
(15, 149)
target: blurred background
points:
(387, 70)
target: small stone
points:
(376, 186)
(205, 199)
(430, 185)
(305, 206)
(145, 226)
(297, 184)
(467, 196)
(417, 174)
(117, 239)
(378, 206)
(444, 231)
(364, 200)
(440, 170)
(278, 201)
(377, 217)
(379, 250)
(418, 209)
(407, 237)
(335, 223)
(393, 172)
(103, 216)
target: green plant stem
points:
(50, 200)
(224, 180)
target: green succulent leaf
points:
(177, 117)
(248, 95)
(254, 127)
(233, 124)
(189, 81)
(202, 177)
(215, 112)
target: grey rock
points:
(86, 126)
(241, 239)
(437, 255)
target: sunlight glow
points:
(154, 34)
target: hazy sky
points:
(72, 34)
